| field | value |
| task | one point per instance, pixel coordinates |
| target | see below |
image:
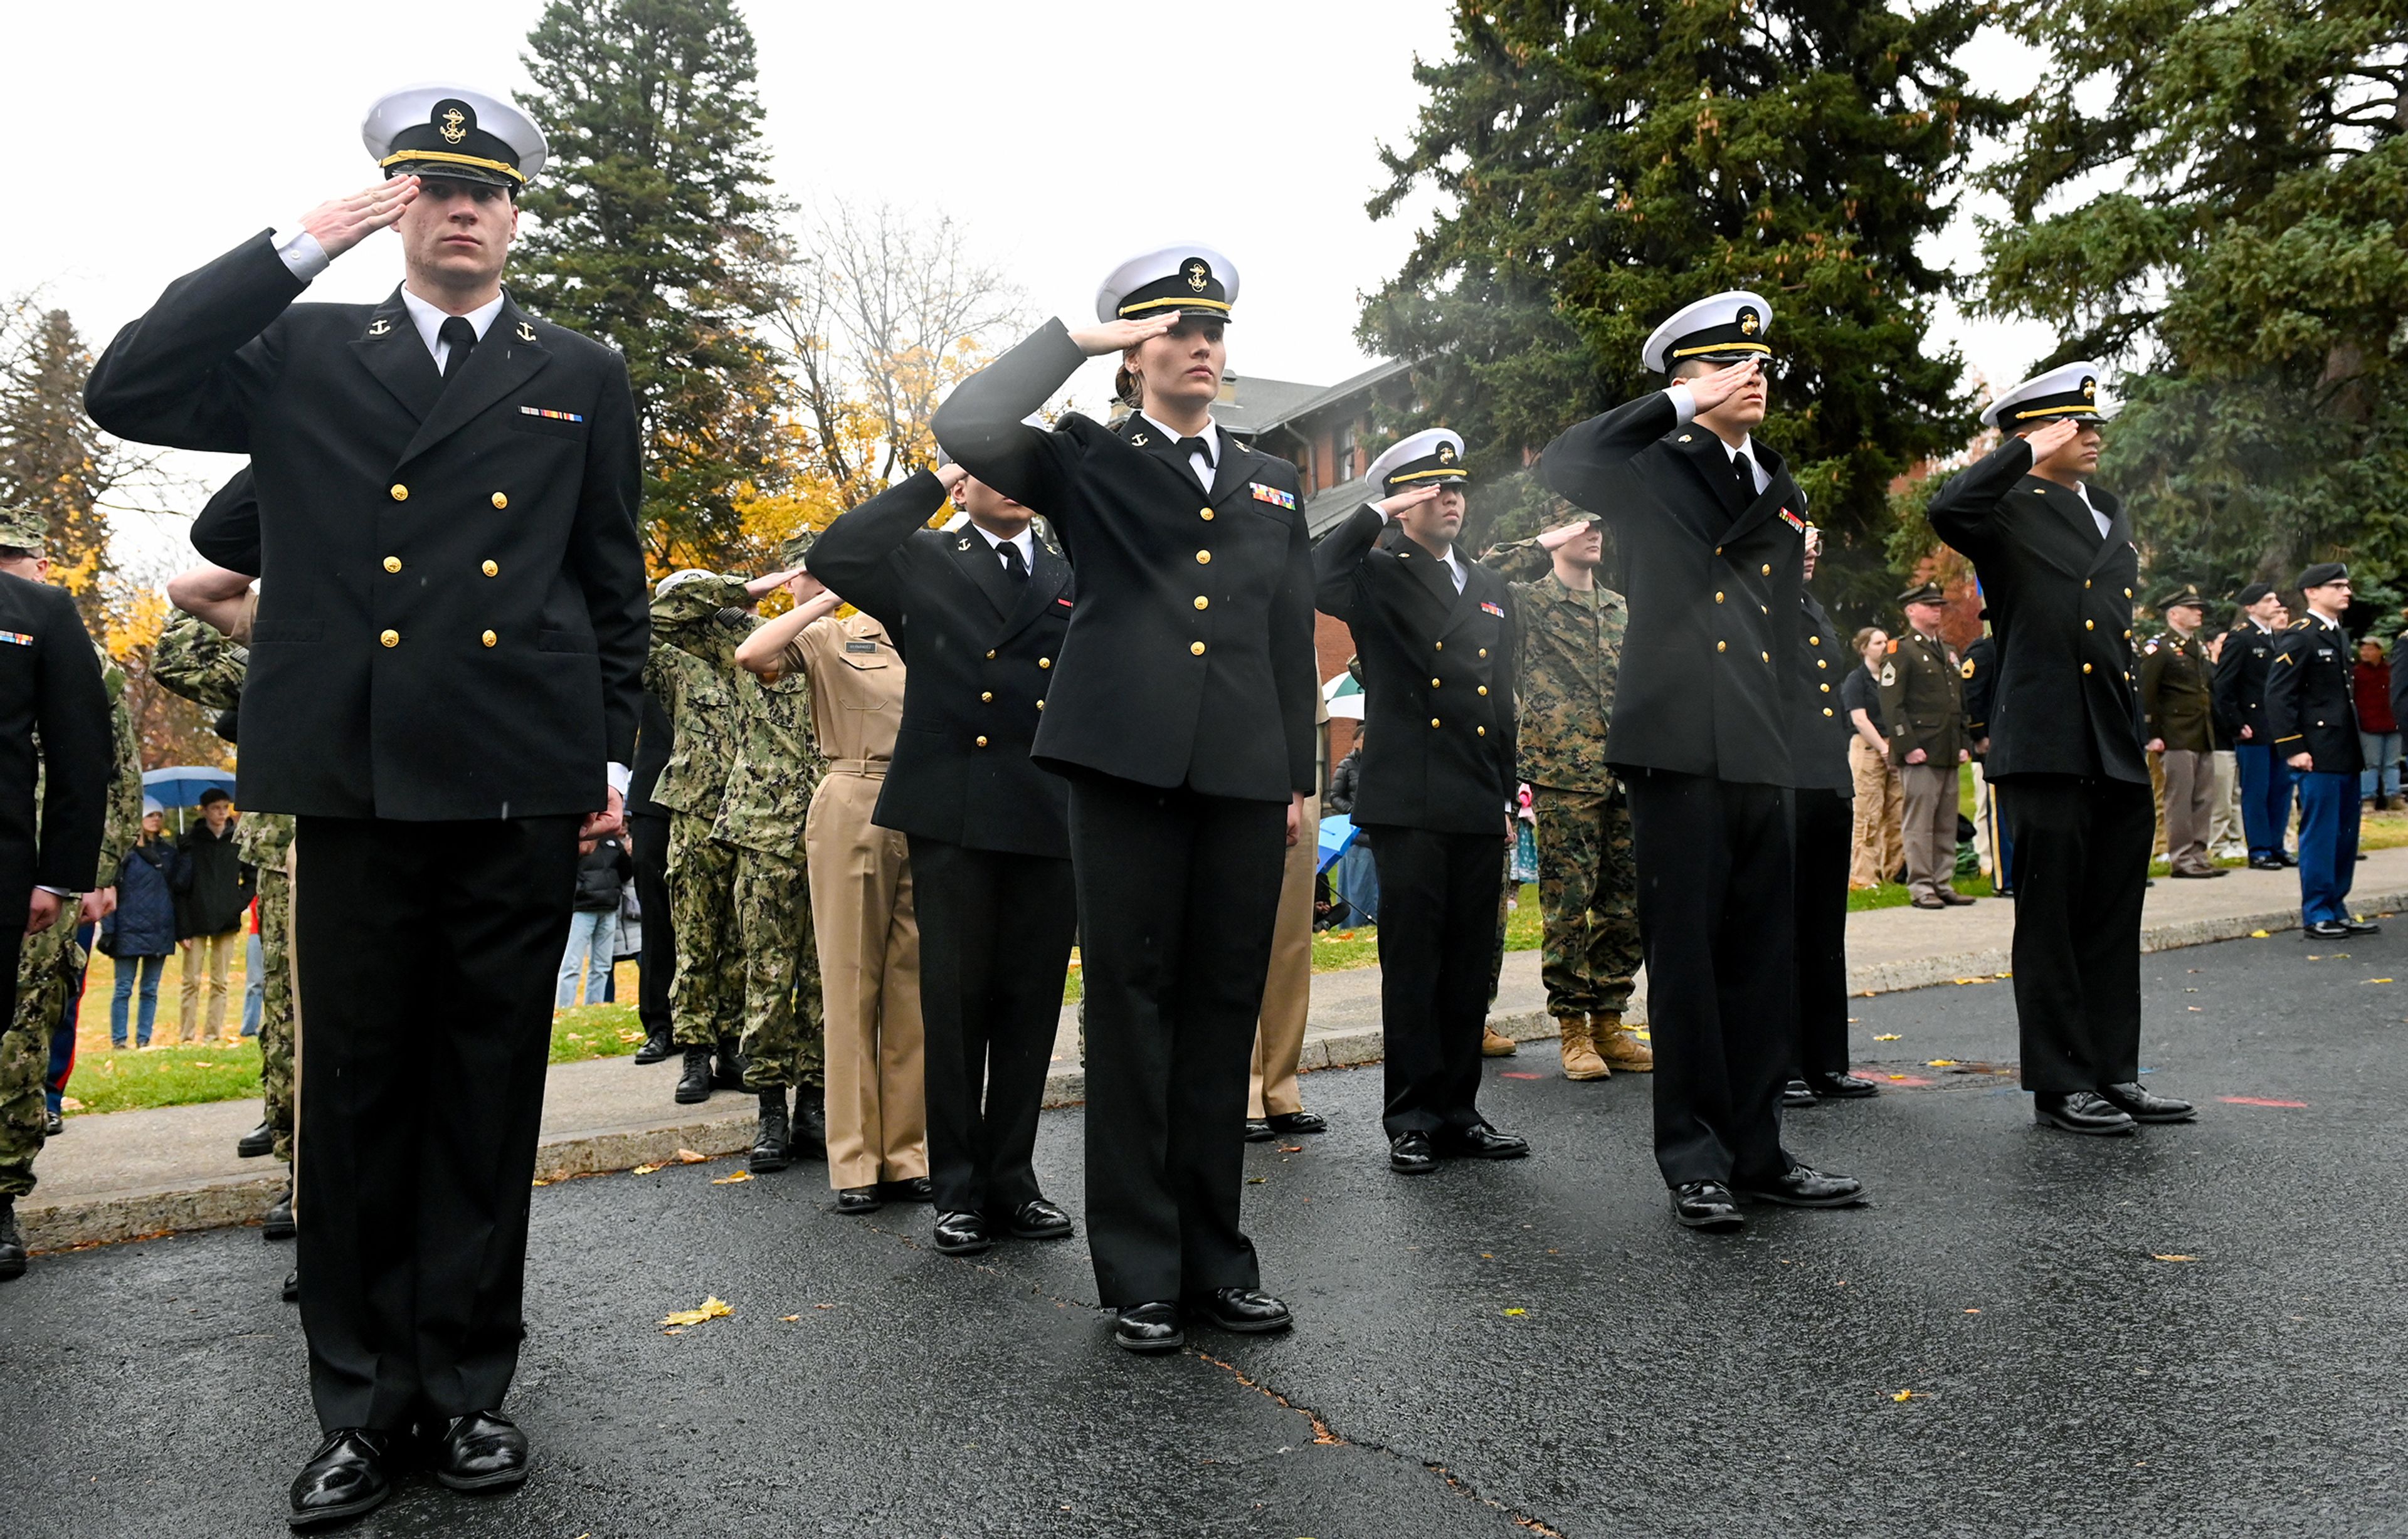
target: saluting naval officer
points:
(1711, 532)
(2311, 716)
(1181, 713)
(2176, 706)
(979, 612)
(2056, 564)
(2266, 777)
(1923, 703)
(1435, 632)
(443, 685)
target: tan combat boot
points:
(1619, 1046)
(1580, 1052)
(1496, 1043)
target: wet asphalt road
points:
(1495, 1350)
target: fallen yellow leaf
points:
(731, 1179)
(2258, 934)
(543, 1180)
(1968, 980)
(643, 1170)
(790, 1319)
(1888, 1036)
(1517, 1311)
(1973, 1311)
(1903, 1395)
(2378, 981)
(2174, 1257)
(687, 1156)
(1941, 1063)
(713, 1308)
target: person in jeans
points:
(602, 873)
(142, 932)
(213, 891)
(2378, 730)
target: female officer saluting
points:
(1180, 711)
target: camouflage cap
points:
(23, 528)
(791, 553)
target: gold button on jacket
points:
(501, 499)
(493, 569)
(1196, 647)
(400, 492)
(488, 638)
(391, 638)
(393, 564)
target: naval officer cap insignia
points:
(1192, 278)
(2070, 390)
(1929, 592)
(24, 529)
(1725, 329)
(1432, 457)
(452, 131)
(2322, 573)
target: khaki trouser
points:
(1929, 828)
(2224, 819)
(1880, 796)
(2158, 793)
(1287, 990)
(214, 956)
(1985, 836)
(869, 978)
(2190, 806)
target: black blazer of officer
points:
(981, 650)
(1980, 671)
(1438, 679)
(2309, 706)
(53, 717)
(1820, 729)
(2061, 601)
(1190, 659)
(2240, 686)
(453, 624)
(1714, 579)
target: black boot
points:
(258, 1141)
(730, 1075)
(769, 1150)
(12, 1243)
(808, 1139)
(658, 1046)
(276, 1223)
(695, 1083)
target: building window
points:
(1343, 470)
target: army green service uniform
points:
(2176, 704)
(1588, 895)
(697, 621)
(1923, 703)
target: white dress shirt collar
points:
(1211, 434)
(429, 321)
(1024, 542)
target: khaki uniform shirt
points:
(856, 678)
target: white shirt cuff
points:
(1685, 405)
(55, 892)
(620, 777)
(303, 257)
(1376, 508)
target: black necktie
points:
(1744, 469)
(1196, 446)
(1013, 567)
(460, 338)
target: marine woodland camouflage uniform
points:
(196, 661)
(696, 624)
(1588, 895)
(50, 961)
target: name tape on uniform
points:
(861, 646)
(1273, 494)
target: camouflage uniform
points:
(1588, 896)
(196, 661)
(697, 619)
(762, 815)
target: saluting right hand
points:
(1121, 336)
(1407, 500)
(2055, 436)
(1709, 391)
(1556, 539)
(951, 475)
(341, 223)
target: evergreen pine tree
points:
(52, 455)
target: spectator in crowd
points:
(141, 932)
(214, 889)
(2378, 730)
(603, 873)
(1879, 851)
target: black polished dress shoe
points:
(858, 1200)
(2265, 863)
(1797, 1094)
(481, 1451)
(1148, 1328)
(350, 1473)
(2141, 1106)
(1038, 1220)
(1289, 1124)
(2082, 1111)
(1410, 1154)
(276, 1223)
(1258, 1131)
(2361, 927)
(1707, 1205)
(2325, 930)
(258, 1141)
(12, 1243)
(1248, 1311)
(656, 1048)
(769, 1135)
(962, 1234)
(694, 1080)
(2288, 857)
(1803, 1186)
(1841, 1086)
(807, 1135)
(911, 1189)
(1483, 1141)
(292, 1286)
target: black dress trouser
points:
(1825, 821)
(2082, 865)
(1715, 921)
(427, 954)
(1437, 929)
(1177, 894)
(995, 945)
(656, 962)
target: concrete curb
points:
(132, 1214)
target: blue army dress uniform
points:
(2310, 709)
(1436, 636)
(443, 683)
(2058, 566)
(2267, 779)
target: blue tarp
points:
(180, 785)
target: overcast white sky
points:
(152, 136)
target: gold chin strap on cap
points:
(1720, 347)
(1430, 475)
(2086, 409)
(1173, 304)
(446, 158)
